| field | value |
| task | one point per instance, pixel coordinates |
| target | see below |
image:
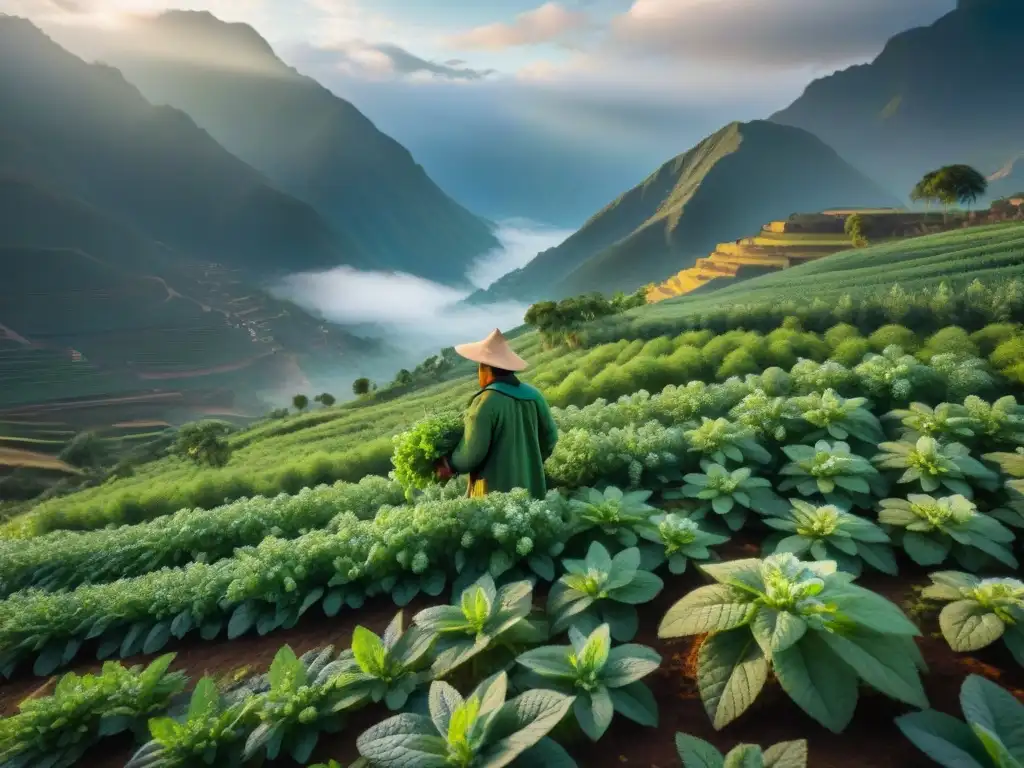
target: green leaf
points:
(164, 729)
(946, 740)
(644, 587)
(879, 662)
(622, 619)
(51, 657)
(543, 566)
(969, 626)
(776, 630)
(926, 549)
(547, 753)
(636, 702)
(786, 754)
(549, 661)
(368, 650)
(713, 608)
(243, 619)
(205, 699)
(997, 710)
(157, 637)
(731, 671)
(628, 663)
(871, 610)
(745, 756)
(443, 701)
(697, 753)
(333, 601)
(303, 745)
(404, 740)
(818, 682)
(523, 722)
(594, 711)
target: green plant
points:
(991, 737)
(832, 471)
(483, 617)
(946, 421)
(602, 590)
(1001, 422)
(765, 415)
(931, 529)
(829, 533)
(933, 465)
(722, 441)
(211, 733)
(895, 376)
(203, 442)
(603, 679)
(678, 539)
(481, 731)
(835, 416)
(697, 753)
(729, 494)
(418, 449)
(303, 700)
(57, 730)
(388, 668)
(300, 402)
(820, 633)
(979, 611)
(614, 512)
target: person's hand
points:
(444, 470)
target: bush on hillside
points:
(894, 335)
(203, 442)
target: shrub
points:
(849, 352)
(951, 340)
(203, 443)
(894, 335)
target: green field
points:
(801, 384)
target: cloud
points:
(414, 314)
(360, 59)
(781, 33)
(549, 23)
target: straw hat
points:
(493, 351)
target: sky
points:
(547, 111)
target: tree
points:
(326, 399)
(86, 451)
(301, 402)
(950, 184)
(854, 228)
(203, 442)
(403, 378)
(361, 387)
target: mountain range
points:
(731, 182)
(307, 141)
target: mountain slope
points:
(84, 129)
(947, 93)
(725, 187)
(311, 143)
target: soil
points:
(872, 739)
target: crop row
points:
(407, 549)
(776, 616)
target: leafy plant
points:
(203, 442)
(212, 732)
(829, 533)
(979, 611)
(302, 702)
(1001, 422)
(931, 529)
(678, 539)
(418, 449)
(602, 590)
(764, 415)
(729, 494)
(946, 421)
(934, 465)
(57, 730)
(722, 440)
(820, 633)
(483, 617)
(481, 731)
(615, 513)
(832, 471)
(895, 376)
(840, 418)
(991, 737)
(697, 753)
(388, 668)
(604, 680)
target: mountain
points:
(725, 187)
(85, 129)
(308, 141)
(936, 95)
(133, 246)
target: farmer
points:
(509, 430)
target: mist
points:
(414, 315)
